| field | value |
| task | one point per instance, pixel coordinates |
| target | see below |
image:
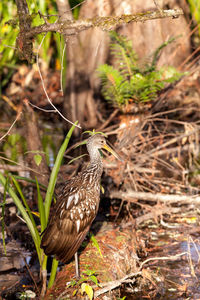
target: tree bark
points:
(34, 144)
(148, 36)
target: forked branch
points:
(73, 27)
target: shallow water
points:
(176, 272)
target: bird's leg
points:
(77, 265)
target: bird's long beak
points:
(106, 147)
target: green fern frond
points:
(125, 56)
(157, 53)
(114, 84)
(127, 80)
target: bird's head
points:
(98, 141)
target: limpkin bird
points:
(76, 206)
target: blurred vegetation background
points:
(105, 81)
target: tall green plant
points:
(10, 28)
(195, 11)
(8, 34)
(43, 207)
(127, 80)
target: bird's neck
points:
(95, 167)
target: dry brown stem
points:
(109, 286)
(12, 125)
(131, 196)
(157, 213)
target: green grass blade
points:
(96, 245)
(53, 272)
(30, 181)
(37, 235)
(3, 215)
(49, 196)
(55, 170)
(41, 207)
(17, 201)
(26, 206)
(76, 158)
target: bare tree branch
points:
(24, 44)
(73, 27)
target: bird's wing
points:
(70, 222)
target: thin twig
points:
(18, 164)
(114, 284)
(10, 103)
(174, 140)
(9, 130)
(162, 113)
(172, 257)
(61, 71)
(42, 109)
(195, 246)
(7, 46)
(12, 168)
(114, 113)
(156, 213)
(77, 5)
(157, 5)
(190, 259)
(30, 273)
(189, 58)
(49, 100)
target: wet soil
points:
(173, 272)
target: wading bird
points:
(76, 207)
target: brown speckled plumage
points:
(76, 207)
